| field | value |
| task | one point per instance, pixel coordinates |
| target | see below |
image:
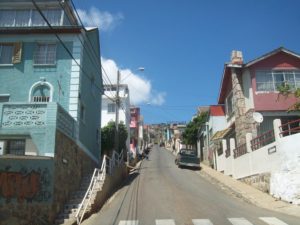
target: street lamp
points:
(141, 69)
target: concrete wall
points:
(274, 167)
(42, 135)
(33, 189)
(111, 184)
(90, 90)
(26, 190)
(285, 179)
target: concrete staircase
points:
(76, 198)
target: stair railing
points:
(98, 175)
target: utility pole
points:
(117, 113)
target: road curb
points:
(249, 193)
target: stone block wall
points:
(71, 164)
(259, 181)
(33, 189)
(26, 190)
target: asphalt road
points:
(160, 193)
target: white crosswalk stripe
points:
(233, 221)
(129, 222)
(202, 222)
(164, 222)
(272, 221)
(239, 221)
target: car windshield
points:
(187, 152)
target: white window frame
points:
(273, 74)
(46, 63)
(39, 83)
(45, 11)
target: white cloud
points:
(104, 20)
(140, 87)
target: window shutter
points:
(17, 53)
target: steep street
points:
(161, 193)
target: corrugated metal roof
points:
(220, 134)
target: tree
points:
(286, 90)
(108, 138)
(191, 131)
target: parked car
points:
(187, 157)
(162, 144)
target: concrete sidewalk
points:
(247, 192)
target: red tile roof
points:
(217, 110)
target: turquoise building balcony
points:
(30, 128)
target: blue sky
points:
(183, 45)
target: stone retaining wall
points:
(259, 181)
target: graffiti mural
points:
(25, 185)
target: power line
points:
(62, 43)
(80, 21)
(86, 38)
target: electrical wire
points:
(89, 44)
(62, 43)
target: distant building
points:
(134, 129)
(214, 123)
(49, 108)
(108, 110)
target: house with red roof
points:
(261, 138)
(216, 122)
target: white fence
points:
(276, 152)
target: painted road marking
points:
(272, 221)
(239, 221)
(164, 222)
(202, 222)
(129, 222)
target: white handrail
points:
(98, 175)
(90, 190)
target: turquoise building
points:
(50, 102)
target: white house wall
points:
(285, 180)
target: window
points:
(28, 17)
(6, 53)
(229, 104)
(41, 93)
(270, 80)
(4, 98)
(15, 146)
(45, 54)
(111, 108)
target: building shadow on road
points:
(191, 168)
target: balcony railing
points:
(240, 150)
(290, 128)
(262, 140)
(36, 115)
(23, 115)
